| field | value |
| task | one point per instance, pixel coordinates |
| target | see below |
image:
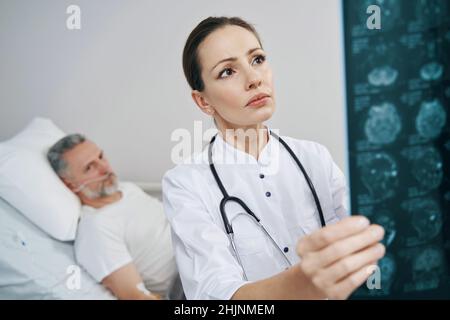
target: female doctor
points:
(246, 214)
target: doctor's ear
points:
(202, 103)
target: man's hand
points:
(336, 259)
(126, 284)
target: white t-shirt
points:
(133, 229)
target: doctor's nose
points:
(254, 80)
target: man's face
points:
(88, 171)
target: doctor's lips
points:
(258, 100)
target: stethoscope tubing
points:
(226, 198)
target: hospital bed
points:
(33, 265)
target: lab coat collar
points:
(225, 153)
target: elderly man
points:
(123, 238)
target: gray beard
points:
(105, 191)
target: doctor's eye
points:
(225, 73)
(259, 59)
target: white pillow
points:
(28, 182)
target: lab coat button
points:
(268, 194)
(261, 176)
(286, 249)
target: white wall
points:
(119, 79)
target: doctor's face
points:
(238, 80)
(89, 173)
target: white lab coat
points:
(205, 259)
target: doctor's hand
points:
(336, 259)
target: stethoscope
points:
(226, 198)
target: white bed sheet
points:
(35, 266)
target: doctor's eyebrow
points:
(249, 52)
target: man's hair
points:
(56, 152)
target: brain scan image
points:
(447, 145)
(398, 139)
(427, 168)
(447, 92)
(447, 196)
(431, 13)
(382, 76)
(426, 219)
(383, 124)
(431, 71)
(430, 60)
(431, 119)
(386, 220)
(427, 268)
(379, 176)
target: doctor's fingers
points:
(343, 289)
(330, 234)
(313, 261)
(345, 267)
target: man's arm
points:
(125, 284)
(334, 262)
